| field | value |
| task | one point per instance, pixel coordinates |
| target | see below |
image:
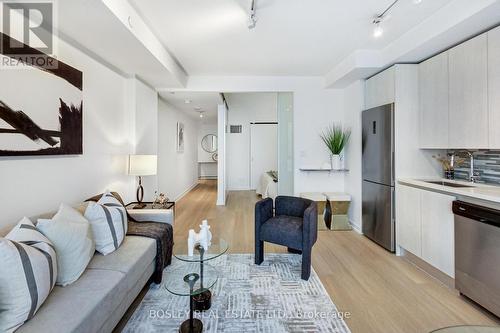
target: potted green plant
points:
(335, 138)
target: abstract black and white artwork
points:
(180, 137)
(40, 108)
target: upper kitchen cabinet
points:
(494, 87)
(434, 94)
(380, 89)
(468, 99)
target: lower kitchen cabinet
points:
(425, 226)
(438, 234)
(408, 219)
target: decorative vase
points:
(449, 174)
(336, 162)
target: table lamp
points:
(141, 165)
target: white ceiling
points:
(207, 101)
(292, 37)
(106, 38)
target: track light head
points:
(378, 31)
(252, 20)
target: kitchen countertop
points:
(484, 192)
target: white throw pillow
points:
(72, 237)
(28, 271)
(108, 219)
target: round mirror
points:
(209, 143)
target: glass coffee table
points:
(203, 299)
(194, 279)
(183, 281)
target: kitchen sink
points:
(444, 183)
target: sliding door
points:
(285, 144)
(263, 150)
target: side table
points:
(152, 214)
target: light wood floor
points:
(383, 293)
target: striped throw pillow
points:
(108, 219)
(28, 272)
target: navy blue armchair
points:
(294, 225)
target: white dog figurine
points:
(203, 238)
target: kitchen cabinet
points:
(408, 219)
(468, 98)
(433, 100)
(438, 234)
(380, 89)
(425, 226)
(494, 87)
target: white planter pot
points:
(336, 162)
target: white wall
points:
(222, 162)
(33, 185)
(145, 100)
(243, 109)
(353, 106)
(177, 171)
(314, 110)
(207, 169)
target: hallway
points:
(383, 293)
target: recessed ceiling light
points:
(416, 2)
(187, 101)
(201, 115)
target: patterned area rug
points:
(247, 298)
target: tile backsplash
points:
(486, 166)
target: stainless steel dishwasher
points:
(477, 254)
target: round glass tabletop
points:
(216, 249)
(188, 280)
(468, 329)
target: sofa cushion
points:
(134, 255)
(71, 235)
(283, 230)
(28, 271)
(82, 306)
(108, 226)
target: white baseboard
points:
(356, 227)
(180, 196)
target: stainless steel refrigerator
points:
(378, 175)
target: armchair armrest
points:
(310, 228)
(263, 212)
(152, 215)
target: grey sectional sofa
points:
(100, 297)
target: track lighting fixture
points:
(252, 20)
(378, 30)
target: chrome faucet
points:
(472, 175)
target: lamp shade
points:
(142, 165)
